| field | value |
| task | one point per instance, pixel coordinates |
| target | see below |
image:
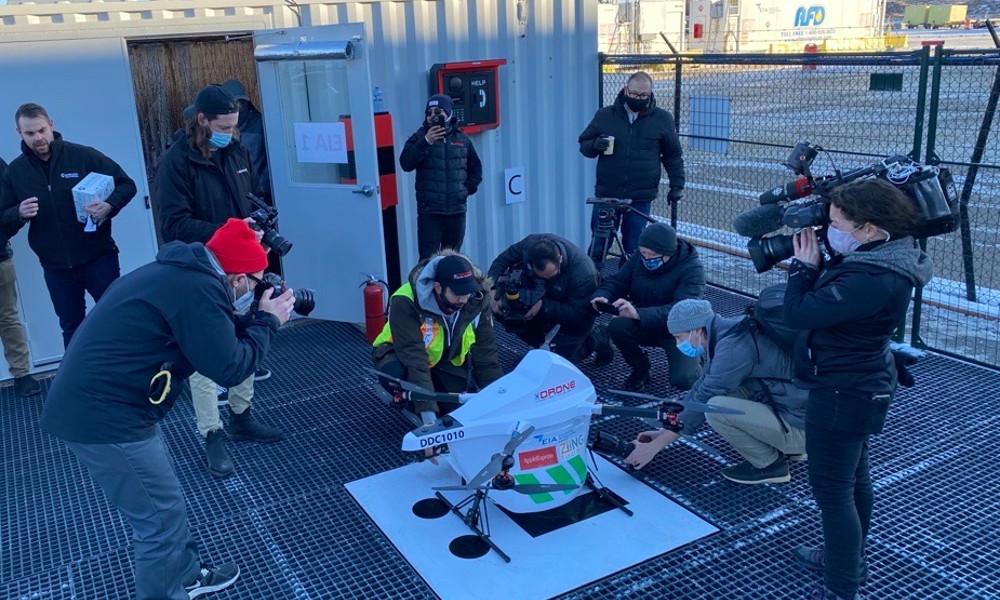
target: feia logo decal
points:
(809, 17)
(557, 389)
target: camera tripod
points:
(610, 212)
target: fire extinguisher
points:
(375, 305)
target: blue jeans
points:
(139, 480)
(842, 486)
(67, 287)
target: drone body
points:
(545, 392)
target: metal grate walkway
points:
(286, 518)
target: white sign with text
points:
(514, 184)
(321, 143)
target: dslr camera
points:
(805, 202)
(265, 219)
(517, 291)
(305, 298)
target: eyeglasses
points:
(637, 96)
(430, 112)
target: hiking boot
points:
(261, 374)
(242, 427)
(637, 381)
(604, 352)
(814, 559)
(220, 463)
(746, 473)
(213, 579)
(26, 385)
(824, 593)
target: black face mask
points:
(635, 104)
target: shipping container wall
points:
(548, 86)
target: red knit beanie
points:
(236, 248)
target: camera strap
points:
(159, 385)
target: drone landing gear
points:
(606, 495)
(475, 518)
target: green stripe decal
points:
(561, 475)
(580, 467)
(530, 478)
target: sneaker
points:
(26, 385)
(212, 579)
(222, 395)
(261, 374)
(604, 352)
(637, 381)
(746, 473)
(814, 559)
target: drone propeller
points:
(496, 464)
(547, 342)
(692, 406)
(416, 391)
(521, 488)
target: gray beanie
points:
(659, 238)
(690, 314)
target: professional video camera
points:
(305, 298)
(805, 202)
(517, 291)
(265, 219)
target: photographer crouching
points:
(850, 305)
(124, 370)
(543, 281)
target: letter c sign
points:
(514, 185)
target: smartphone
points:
(606, 307)
(438, 120)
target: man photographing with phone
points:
(448, 172)
(664, 271)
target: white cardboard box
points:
(95, 187)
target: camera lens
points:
(769, 251)
(800, 216)
(305, 301)
(605, 443)
(277, 242)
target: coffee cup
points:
(611, 144)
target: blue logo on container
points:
(809, 17)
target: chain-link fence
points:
(739, 116)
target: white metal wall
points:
(548, 87)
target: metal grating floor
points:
(287, 519)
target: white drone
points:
(523, 438)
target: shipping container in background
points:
(785, 26)
(947, 16)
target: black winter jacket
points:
(5, 251)
(55, 234)
(196, 196)
(567, 295)
(251, 126)
(851, 309)
(99, 395)
(653, 293)
(633, 170)
(448, 172)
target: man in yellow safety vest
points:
(440, 330)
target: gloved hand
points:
(904, 360)
(675, 195)
(601, 144)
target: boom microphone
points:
(758, 220)
(792, 190)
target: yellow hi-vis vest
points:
(433, 333)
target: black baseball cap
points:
(212, 100)
(456, 273)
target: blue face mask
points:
(220, 140)
(653, 263)
(688, 350)
(242, 304)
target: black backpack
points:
(764, 316)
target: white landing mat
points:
(541, 567)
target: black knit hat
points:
(659, 237)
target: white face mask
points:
(242, 303)
(843, 242)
